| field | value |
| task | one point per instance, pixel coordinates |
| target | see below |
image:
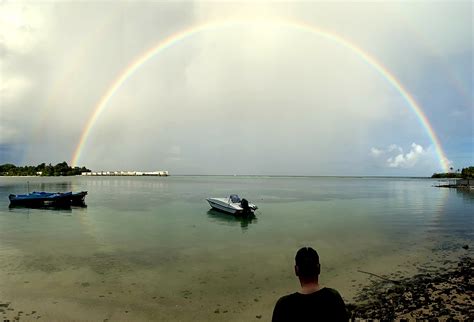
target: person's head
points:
(307, 266)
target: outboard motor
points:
(245, 206)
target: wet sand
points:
(107, 290)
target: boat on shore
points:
(37, 199)
(232, 205)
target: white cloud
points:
(407, 160)
(375, 152)
(393, 156)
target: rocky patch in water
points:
(441, 294)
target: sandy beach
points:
(66, 295)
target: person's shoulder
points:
(331, 292)
(335, 301)
(283, 308)
(287, 298)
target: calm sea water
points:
(150, 248)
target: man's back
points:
(323, 305)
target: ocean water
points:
(150, 248)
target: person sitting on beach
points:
(311, 303)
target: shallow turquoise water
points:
(161, 228)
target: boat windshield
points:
(234, 198)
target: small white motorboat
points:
(232, 205)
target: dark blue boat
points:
(48, 199)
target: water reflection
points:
(66, 209)
(466, 194)
(29, 210)
(54, 207)
(58, 207)
(230, 220)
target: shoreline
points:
(237, 175)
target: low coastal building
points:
(160, 173)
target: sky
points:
(254, 97)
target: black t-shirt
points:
(323, 305)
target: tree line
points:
(465, 173)
(43, 169)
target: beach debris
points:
(465, 247)
(441, 294)
(381, 277)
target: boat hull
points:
(48, 199)
(224, 205)
(78, 198)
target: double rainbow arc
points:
(190, 32)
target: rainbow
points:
(194, 30)
(60, 84)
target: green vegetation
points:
(60, 169)
(449, 175)
(465, 173)
(468, 173)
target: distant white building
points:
(127, 173)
